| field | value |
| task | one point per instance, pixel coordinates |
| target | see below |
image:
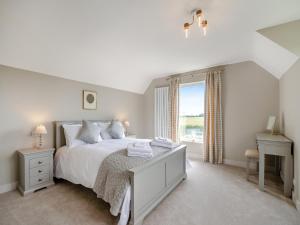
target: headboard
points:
(60, 139)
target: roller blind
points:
(161, 112)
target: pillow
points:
(71, 132)
(89, 132)
(117, 130)
(99, 138)
(105, 130)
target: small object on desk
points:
(271, 124)
(278, 145)
(35, 169)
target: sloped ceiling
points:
(125, 44)
(271, 56)
(286, 35)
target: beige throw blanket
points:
(113, 177)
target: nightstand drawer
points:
(39, 170)
(39, 162)
(39, 179)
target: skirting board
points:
(8, 187)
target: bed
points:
(150, 182)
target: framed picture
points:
(89, 99)
(271, 124)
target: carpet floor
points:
(211, 195)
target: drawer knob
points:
(40, 162)
(40, 180)
(40, 171)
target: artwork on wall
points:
(89, 99)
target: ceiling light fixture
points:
(202, 23)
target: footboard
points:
(153, 181)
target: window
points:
(191, 112)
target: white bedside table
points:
(35, 169)
(131, 135)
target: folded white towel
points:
(140, 144)
(143, 155)
(163, 140)
(140, 150)
(137, 147)
(164, 145)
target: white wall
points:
(27, 99)
(290, 117)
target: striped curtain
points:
(161, 112)
(174, 100)
(213, 120)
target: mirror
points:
(271, 123)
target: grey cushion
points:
(117, 130)
(89, 132)
(105, 130)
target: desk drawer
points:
(39, 179)
(41, 161)
(36, 171)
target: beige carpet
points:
(212, 195)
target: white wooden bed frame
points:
(150, 182)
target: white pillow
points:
(71, 134)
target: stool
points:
(251, 155)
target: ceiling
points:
(125, 44)
(286, 35)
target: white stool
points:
(251, 155)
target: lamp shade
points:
(126, 123)
(40, 129)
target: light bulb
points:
(199, 21)
(186, 31)
(204, 31)
(204, 26)
(199, 16)
(186, 27)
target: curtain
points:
(174, 101)
(213, 120)
(161, 112)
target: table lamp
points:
(40, 130)
(126, 125)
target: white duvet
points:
(80, 165)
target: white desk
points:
(280, 146)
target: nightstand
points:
(35, 169)
(131, 135)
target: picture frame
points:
(89, 100)
(271, 124)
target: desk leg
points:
(288, 181)
(261, 170)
